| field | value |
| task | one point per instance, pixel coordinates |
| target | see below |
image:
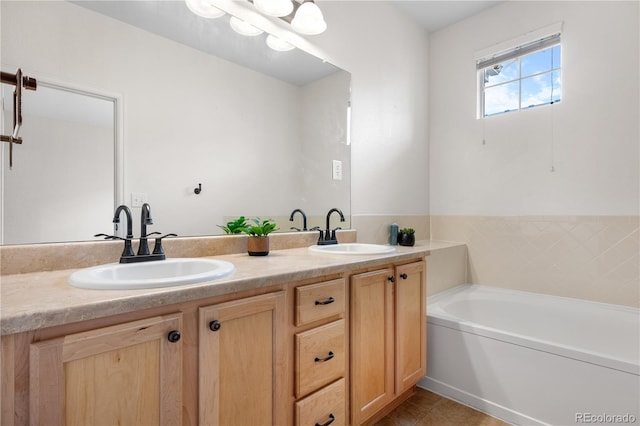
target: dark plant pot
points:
(258, 246)
(406, 239)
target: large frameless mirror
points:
(257, 142)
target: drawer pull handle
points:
(328, 301)
(403, 276)
(328, 357)
(331, 419)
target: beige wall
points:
(550, 202)
(585, 257)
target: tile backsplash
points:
(586, 257)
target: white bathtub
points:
(534, 359)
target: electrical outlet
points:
(337, 169)
(138, 199)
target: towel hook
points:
(198, 190)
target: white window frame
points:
(517, 48)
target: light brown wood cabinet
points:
(321, 353)
(241, 357)
(388, 336)
(338, 350)
(128, 373)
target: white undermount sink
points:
(353, 248)
(154, 274)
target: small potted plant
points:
(235, 226)
(407, 237)
(258, 232)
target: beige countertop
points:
(36, 300)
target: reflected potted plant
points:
(235, 226)
(407, 237)
(258, 232)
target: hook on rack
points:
(20, 82)
(198, 190)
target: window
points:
(524, 77)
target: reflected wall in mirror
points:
(66, 166)
(260, 146)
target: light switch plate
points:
(337, 169)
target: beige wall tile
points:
(586, 257)
(446, 268)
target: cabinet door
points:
(242, 362)
(410, 327)
(372, 343)
(127, 374)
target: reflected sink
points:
(160, 273)
(353, 248)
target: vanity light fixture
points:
(243, 27)
(277, 8)
(204, 8)
(279, 44)
(308, 19)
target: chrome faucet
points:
(304, 219)
(330, 234)
(145, 219)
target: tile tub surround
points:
(20, 259)
(36, 300)
(375, 228)
(585, 257)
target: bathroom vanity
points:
(295, 337)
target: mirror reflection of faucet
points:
(143, 254)
(304, 220)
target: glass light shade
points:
(204, 8)
(278, 44)
(308, 19)
(243, 27)
(276, 8)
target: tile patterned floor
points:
(428, 409)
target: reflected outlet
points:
(337, 169)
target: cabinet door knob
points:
(215, 325)
(331, 419)
(173, 336)
(392, 279)
(403, 276)
(326, 301)
(327, 358)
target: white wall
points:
(387, 55)
(573, 231)
(590, 137)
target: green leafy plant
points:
(260, 228)
(408, 231)
(235, 226)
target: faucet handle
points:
(333, 233)
(112, 237)
(157, 247)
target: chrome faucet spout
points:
(304, 218)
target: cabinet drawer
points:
(318, 301)
(326, 405)
(320, 357)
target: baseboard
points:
(478, 403)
